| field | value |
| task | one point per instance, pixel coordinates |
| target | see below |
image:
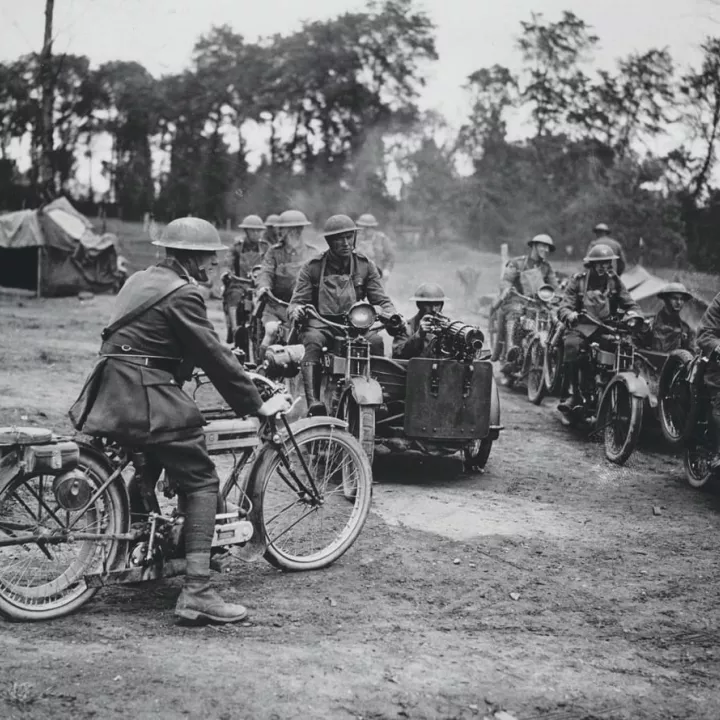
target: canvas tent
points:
(644, 287)
(54, 251)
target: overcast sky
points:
(470, 33)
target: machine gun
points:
(455, 339)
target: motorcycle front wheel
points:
(552, 368)
(476, 454)
(696, 460)
(621, 417)
(535, 371)
(303, 533)
(677, 403)
(44, 578)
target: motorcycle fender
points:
(495, 407)
(366, 391)
(635, 384)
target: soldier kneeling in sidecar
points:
(439, 395)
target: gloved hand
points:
(297, 314)
(276, 404)
(426, 325)
(572, 317)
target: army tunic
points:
(245, 255)
(514, 268)
(281, 266)
(584, 285)
(670, 332)
(139, 400)
(708, 340)
(408, 342)
(378, 247)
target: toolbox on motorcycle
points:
(51, 459)
(231, 434)
(448, 399)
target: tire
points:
(536, 388)
(53, 585)
(476, 455)
(291, 528)
(552, 368)
(677, 402)
(696, 461)
(621, 416)
(361, 423)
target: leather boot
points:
(199, 604)
(572, 398)
(311, 383)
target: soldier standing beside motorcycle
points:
(375, 245)
(159, 330)
(415, 339)
(602, 237)
(280, 268)
(332, 283)
(524, 274)
(668, 331)
(599, 292)
(708, 341)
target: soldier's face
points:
(541, 251)
(602, 268)
(205, 263)
(341, 245)
(675, 302)
(253, 235)
(429, 308)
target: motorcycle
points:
(442, 404)
(686, 414)
(76, 516)
(613, 393)
(238, 307)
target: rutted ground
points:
(571, 598)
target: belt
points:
(156, 363)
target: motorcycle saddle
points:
(24, 436)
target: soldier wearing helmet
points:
(271, 229)
(332, 283)
(280, 268)
(668, 331)
(158, 331)
(249, 247)
(599, 292)
(524, 274)
(602, 236)
(708, 341)
(417, 336)
(375, 245)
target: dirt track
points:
(571, 599)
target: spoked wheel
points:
(476, 454)
(552, 368)
(303, 533)
(621, 416)
(44, 578)
(361, 423)
(676, 399)
(697, 459)
(535, 371)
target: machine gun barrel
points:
(468, 337)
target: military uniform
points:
(670, 332)
(332, 285)
(378, 247)
(708, 341)
(245, 255)
(616, 247)
(409, 342)
(602, 297)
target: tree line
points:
(550, 146)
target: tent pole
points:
(39, 271)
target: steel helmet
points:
(600, 253)
(190, 233)
(601, 227)
(542, 239)
(674, 288)
(292, 218)
(367, 220)
(338, 224)
(272, 220)
(429, 292)
(252, 222)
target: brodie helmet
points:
(600, 253)
(674, 288)
(367, 220)
(337, 225)
(292, 218)
(190, 233)
(252, 222)
(429, 292)
(542, 239)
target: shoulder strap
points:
(128, 317)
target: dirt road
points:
(546, 587)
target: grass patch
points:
(21, 694)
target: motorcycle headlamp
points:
(634, 322)
(546, 293)
(361, 316)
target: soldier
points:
(602, 236)
(280, 268)
(708, 341)
(599, 292)
(375, 245)
(668, 330)
(271, 231)
(524, 274)
(158, 330)
(415, 339)
(332, 283)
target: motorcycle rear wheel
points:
(552, 368)
(621, 416)
(44, 581)
(677, 403)
(696, 461)
(535, 371)
(298, 535)
(476, 455)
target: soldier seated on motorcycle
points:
(332, 283)
(133, 395)
(708, 341)
(246, 252)
(279, 271)
(599, 292)
(415, 338)
(668, 331)
(524, 274)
